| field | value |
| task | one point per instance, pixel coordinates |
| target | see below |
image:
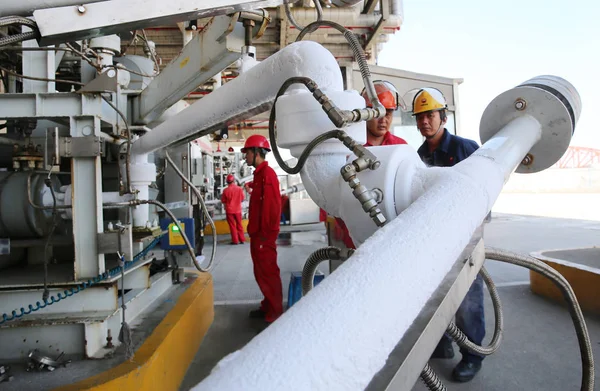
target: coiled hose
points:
(585, 346)
(431, 380)
(359, 56)
(314, 259)
(462, 340)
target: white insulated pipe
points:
(341, 334)
(251, 93)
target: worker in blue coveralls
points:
(443, 149)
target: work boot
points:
(444, 350)
(465, 371)
(257, 314)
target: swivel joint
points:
(366, 197)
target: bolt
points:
(375, 165)
(109, 343)
(81, 9)
(527, 160)
(520, 104)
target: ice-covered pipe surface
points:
(341, 334)
(251, 93)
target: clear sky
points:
(496, 45)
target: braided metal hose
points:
(431, 380)
(583, 338)
(314, 259)
(8, 20)
(462, 340)
(16, 38)
(359, 56)
(288, 13)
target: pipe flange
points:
(549, 107)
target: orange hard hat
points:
(256, 141)
(386, 93)
(230, 178)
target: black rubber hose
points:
(583, 338)
(462, 340)
(312, 86)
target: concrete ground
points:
(539, 349)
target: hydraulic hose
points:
(18, 20)
(8, 20)
(359, 56)
(288, 13)
(431, 380)
(16, 38)
(314, 259)
(462, 340)
(176, 222)
(585, 347)
(339, 134)
(201, 200)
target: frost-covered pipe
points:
(249, 94)
(341, 334)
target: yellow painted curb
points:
(584, 280)
(223, 228)
(162, 361)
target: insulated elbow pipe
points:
(348, 328)
(251, 93)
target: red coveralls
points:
(232, 198)
(263, 228)
(340, 229)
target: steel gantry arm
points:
(75, 22)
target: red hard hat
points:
(256, 141)
(386, 93)
(230, 178)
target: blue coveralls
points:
(470, 317)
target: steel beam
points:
(87, 204)
(202, 58)
(369, 6)
(92, 300)
(385, 14)
(50, 105)
(39, 64)
(73, 23)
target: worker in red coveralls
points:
(263, 227)
(232, 198)
(378, 133)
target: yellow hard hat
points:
(428, 99)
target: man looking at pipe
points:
(264, 215)
(443, 149)
(232, 198)
(378, 133)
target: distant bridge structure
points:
(579, 157)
